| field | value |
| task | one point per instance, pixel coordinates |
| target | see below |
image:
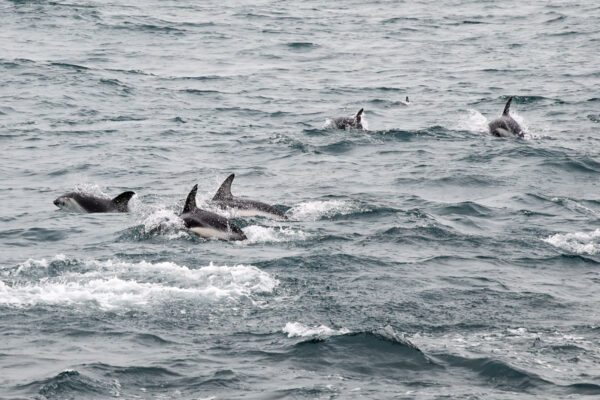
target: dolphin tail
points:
(190, 202)
(507, 106)
(224, 191)
(122, 200)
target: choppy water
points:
(422, 258)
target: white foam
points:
(314, 210)
(115, 283)
(296, 329)
(166, 221)
(474, 122)
(578, 242)
(269, 234)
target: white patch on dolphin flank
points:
(70, 204)
(211, 233)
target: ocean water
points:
(422, 258)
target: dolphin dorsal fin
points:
(359, 115)
(224, 191)
(122, 200)
(507, 106)
(190, 202)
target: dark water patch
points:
(436, 132)
(200, 92)
(332, 262)
(399, 19)
(560, 18)
(497, 373)
(42, 235)
(465, 208)
(594, 117)
(148, 339)
(364, 211)
(560, 261)
(583, 164)
(587, 389)
(362, 353)
(75, 67)
(125, 118)
(147, 28)
(72, 384)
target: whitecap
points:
(296, 329)
(578, 242)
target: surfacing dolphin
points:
(87, 203)
(244, 208)
(208, 224)
(506, 126)
(354, 122)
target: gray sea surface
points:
(422, 258)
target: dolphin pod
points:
(211, 225)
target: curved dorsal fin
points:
(507, 106)
(122, 200)
(190, 202)
(358, 115)
(224, 191)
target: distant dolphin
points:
(245, 208)
(81, 202)
(506, 126)
(208, 224)
(349, 122)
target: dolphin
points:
(506, 126)
(81, 202)
(244, 208)
(208, 224)
(349, 122)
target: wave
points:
(121, 284)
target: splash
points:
(314, 210)
(578, 242)
(296, 329)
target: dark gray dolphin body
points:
(245, 208)
(82, 202)
(354, 122)
(208, 224)
(506, 126)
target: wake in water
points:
(115, 284)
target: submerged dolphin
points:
(506, 126)
(245, 208)
(81, 202)
(349, 122)
(208, 224)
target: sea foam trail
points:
(270, 234)
(314, 210)
(116, 283)
(578, 242)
